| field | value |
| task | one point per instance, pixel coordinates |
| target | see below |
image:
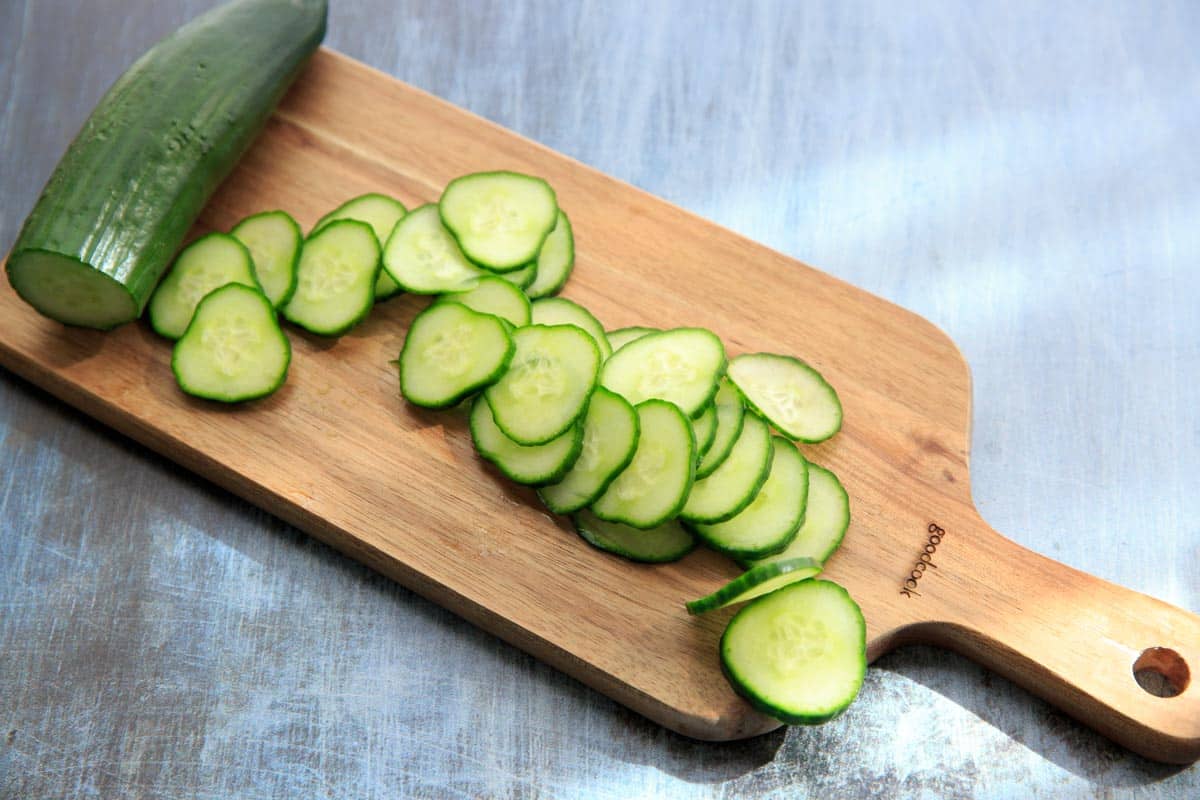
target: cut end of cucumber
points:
(70, 291)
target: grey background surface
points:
(1023, 174)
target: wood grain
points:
(337, 453)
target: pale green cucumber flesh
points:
(730, 418)
(206, 264)
(69, 291)
(622, 336)
(529, 464)
(555, 260)
(423, 258)
(561, 311)
(761, 580)
(274, 241)
(381, 213)
(492, 294)
(681, 366)
(451, 352)
(705, 428)
(663, 543)
(610, 435)
(500, 219)
(335, 279)
(521, 278)
(733, 485)
(790, 394)
(826, 517)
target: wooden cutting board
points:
(339, 454)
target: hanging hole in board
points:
(1162, 672)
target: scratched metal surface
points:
(1023, 174)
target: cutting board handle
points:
(1071, 638)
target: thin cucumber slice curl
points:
(555, 260)
(423, 258)
(790, 394)
(233, 349)
(761, 580)
(733, 485)
(681, 366)
(206, 264)
(335, 280)
(381, 213)
(622, 336)
(655, 485)
(561, 311)
(536, 464)
(705, 428)
(798, 654)
(500, 219)
(274, 241)
(667, 542)
(547, 385)
(773, 517)
(730, 418)
(451, 352)
(826, 518)
(610, 436)
(492, 294)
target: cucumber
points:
(561, 311)
(705, 429)
(521, 278)
(733, 485)
(535, 464)
(610, 436)
(274, 241)
(798, 654)
(555, 260)
(730, 417)
(658, 545)
(451, 352)
(423, 258)
(680, 365)
(157, 145)
(381, 213)
(233, 349)
(547, 385)
(761, 580)
(826, 518)
(790, 394)
(335, 279)
(623, 336)
(500, 219)
(655, 485)
(496, 296)
(771, 520)
(206, 264)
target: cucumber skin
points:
(728, 594)
(159, 129)
(606, 547)
(552, 477)
(295, 226)
(572, 509)
(468, 391)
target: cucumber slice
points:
(655, 485)
(521, 278)
(274, 240)
(451, 352)
(680, 365)
(555, 260)
(761, 580)
(547, 385)
(730, 416)
(561, 311)
(233, 349)
(658, 545)
(496, 296)
(771, 520)
(733, 485)
(826, 518)
(536, 464)
(623, 336)
(423, 258)
(790, 394)
(335, 280)
(610, 436)
(705, 428)
(500, 219)
(381, 213)
(798, 654)
(206, 264)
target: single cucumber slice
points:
(561, 311)
(274, 241)
(798, 654)
(790, 394)
(705, 428)
(655, 485)
(451, 352)
(523, 277)
(771, 520)
(658, 545)
(733, 485)
(730, 416)
(535, 464)
(233, 349)
(680, 365)
(335, 280)
(547, 385)
(555, 260)
(423, 258)
(623, 336)
(761, 580)
(610, 436)
(826, 518)
(381, 213)
(206, 264)
(500, 219)
(496, 296)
